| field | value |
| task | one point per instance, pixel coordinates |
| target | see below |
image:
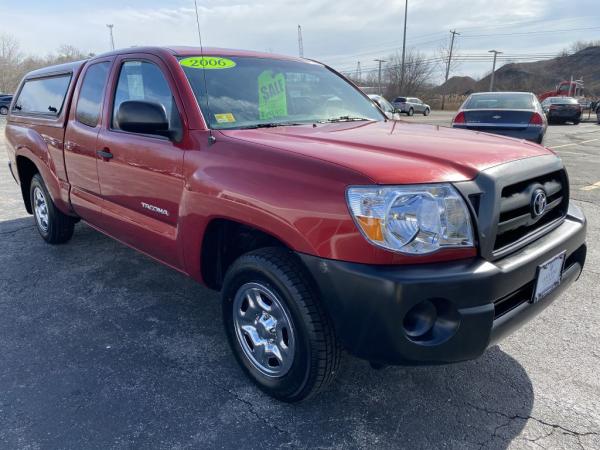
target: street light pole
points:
(496, 53)
(404, 44)
(380, 61)
(112, 39)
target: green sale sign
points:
(272, 95)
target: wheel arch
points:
(224, 240)
(26, 169)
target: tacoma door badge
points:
(155, 209)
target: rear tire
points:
(279, 332)
(410, 112)
(3, 110)
(53, 225)
(576, 122)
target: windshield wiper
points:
(271, 125)
(345, 119)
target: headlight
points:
(412, 219)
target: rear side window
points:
(91, 94)
(400, 100)
(500, 101)
(43, 95)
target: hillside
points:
(541, 76)
(456, 85)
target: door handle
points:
(104, 154)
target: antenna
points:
(300, 45)
(211, 138)
(198, 26)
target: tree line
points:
(14, 63)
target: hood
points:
(396, 152)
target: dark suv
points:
(5, 103)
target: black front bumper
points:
(477, 301)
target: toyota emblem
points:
(539, 201)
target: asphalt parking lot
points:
(100, 347)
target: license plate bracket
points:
(548, 276)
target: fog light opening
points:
(420, 319)
(431, 321)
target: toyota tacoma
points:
(325, 225)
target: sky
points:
(339, 33)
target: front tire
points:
(410, 112)
(3, 110)
(276, 327)
(53, 225)
(426, 112)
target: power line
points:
(525, 33)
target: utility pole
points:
(404, 44)
(358, 73)
(300, 45)
(454, 33)
(496, 53)
(112, 39)
(380, 61)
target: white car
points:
(390, 111)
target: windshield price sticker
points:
(207, 62)
(272, 97)
(225, 118)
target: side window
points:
(142, 80)
(91, 94)
(43, 95)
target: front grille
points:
(514, 299)
(516, 221)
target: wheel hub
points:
(263, 329)
(40, 208)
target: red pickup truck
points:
(325, 225)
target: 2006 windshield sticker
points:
(207, 62)
(272, 98)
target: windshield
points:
(562, 101)
(500, 101)
(247, 92)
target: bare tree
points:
(68, 53)
(581, 45)
(13, 65)
(417, 74)
(10, 58)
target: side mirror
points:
(143, 117)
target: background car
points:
(562, 109)
(5, 103)
(411, 105)
(598, 113)
(390, 110)
(514, 114)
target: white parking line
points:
(575, 143)
(591, 187)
